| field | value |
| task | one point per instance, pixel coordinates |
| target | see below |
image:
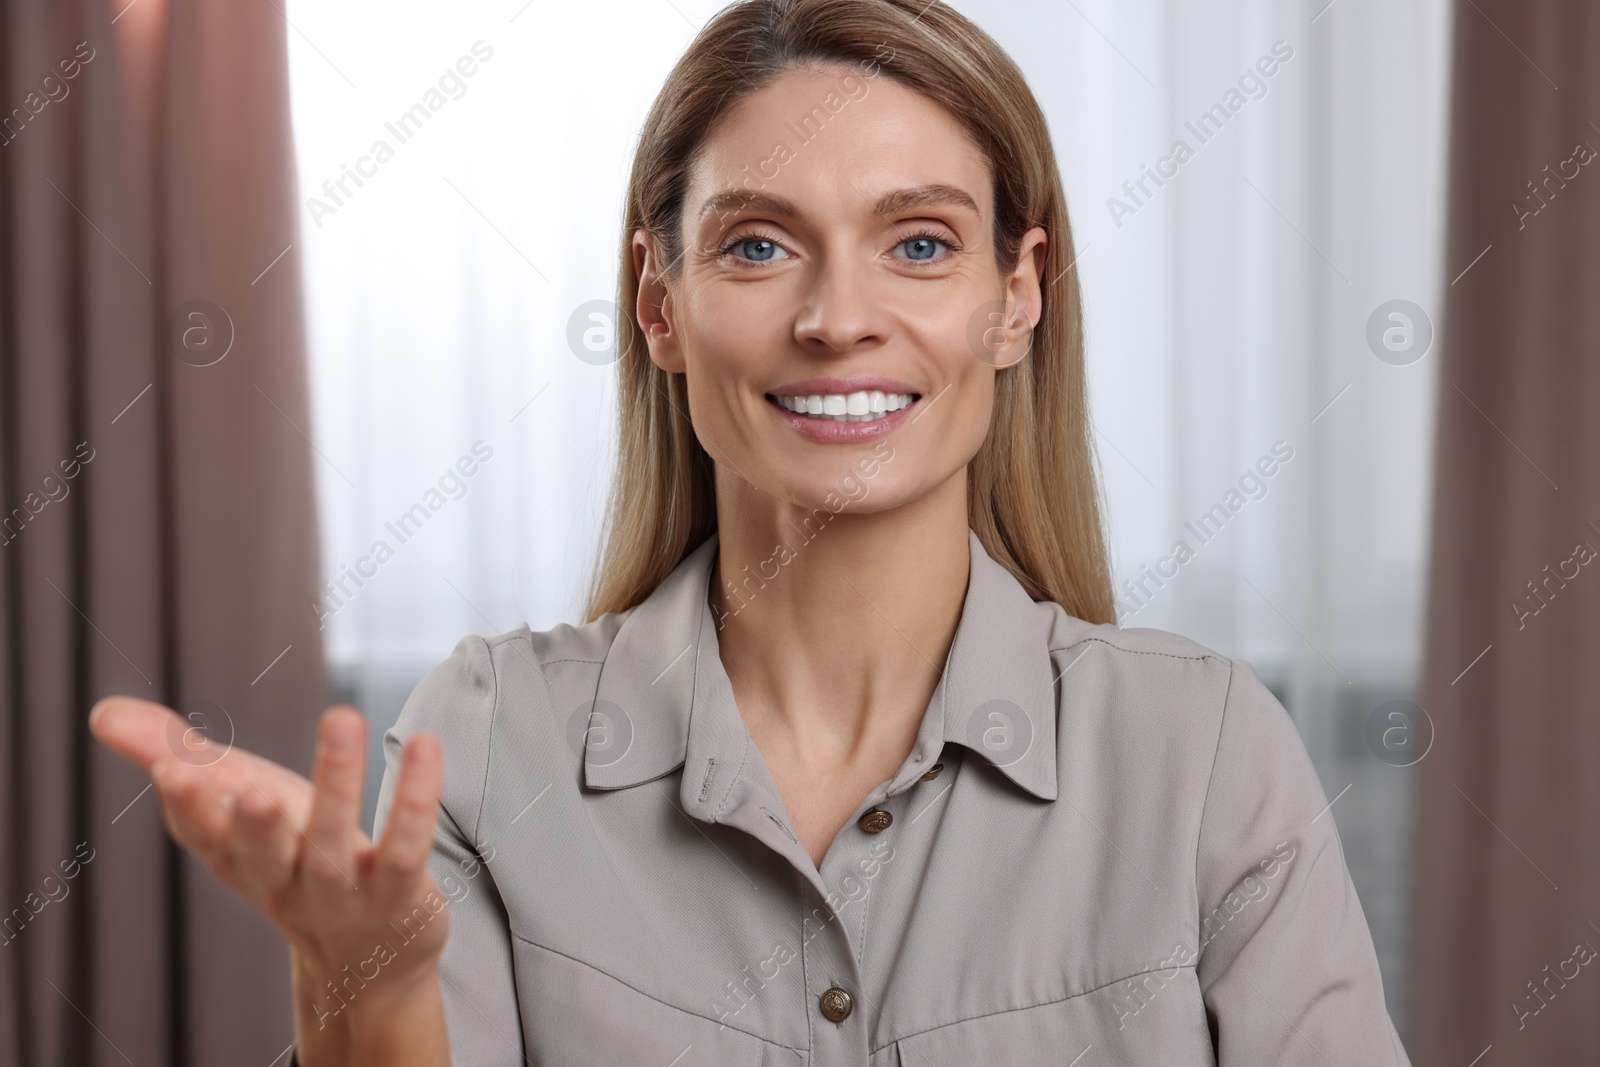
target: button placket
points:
(833, 981)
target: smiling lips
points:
(842, 410)
(833, 409)
(863, 405)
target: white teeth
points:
(864, 405)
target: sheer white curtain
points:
(1229, 288)
(1230, 311)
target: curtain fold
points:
(1508, 804)
(157, 518)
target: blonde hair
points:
(1032, 492)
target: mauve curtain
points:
(1506, 904)
(158, 511)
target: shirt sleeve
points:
(456, 702)
(1286, 965)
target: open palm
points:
(294, 848)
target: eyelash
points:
(926, 235)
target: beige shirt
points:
(1108, 846)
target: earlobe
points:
(1017, 345)
(661, 340)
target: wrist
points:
(375, 1006)
(399, 1023)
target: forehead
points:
(830, 140)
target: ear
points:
(654, 308)
(1024, 301)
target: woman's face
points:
(853, 271)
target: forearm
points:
(407, 1030)
(321, 1039)
(392, 1028)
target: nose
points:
(843, 309)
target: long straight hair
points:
(1032, 490)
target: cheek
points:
(962, 414)
(971, 418)
(722, 395)
(723, 334)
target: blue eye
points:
(923, 247)
(766, 249)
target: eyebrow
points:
(890, 203)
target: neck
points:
(834, 628)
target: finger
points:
(198, 816)
(265, 842)
(135, 729)
(408, 835)
(333, 831)
(144, 732)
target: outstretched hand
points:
(294, 848)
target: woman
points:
(850, 763)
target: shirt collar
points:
(666, 697)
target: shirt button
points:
(933, 772)
(875, 821)
(835, 1004)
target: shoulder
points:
(1176, 672)
(1222, 738)
(1160, 690)
(463, 690)
(464, 699)
(1195, 734)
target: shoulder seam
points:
(1138, 651)
(1211, 776)
(495, 640)
(488, 751)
